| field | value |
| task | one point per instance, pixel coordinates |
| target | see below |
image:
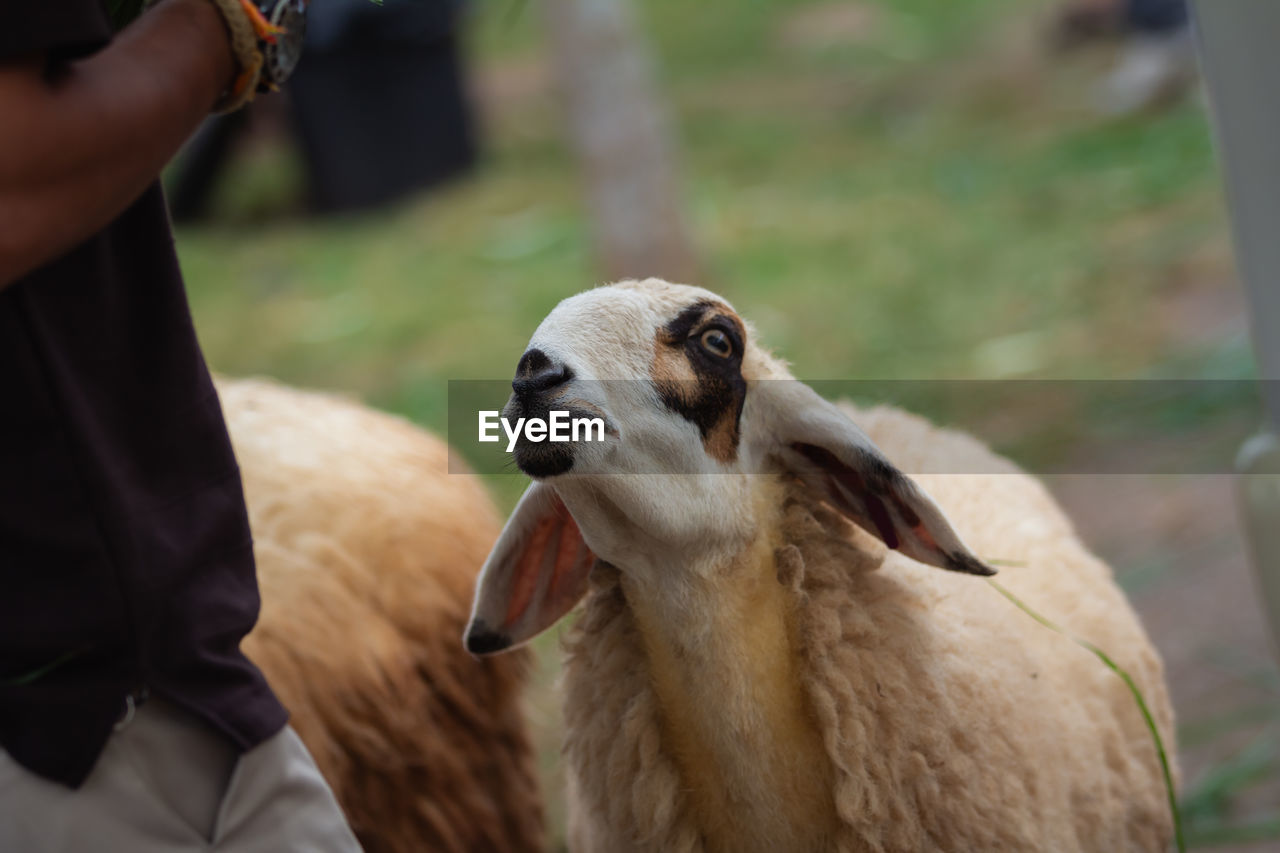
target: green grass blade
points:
(1133, 689)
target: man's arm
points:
(79, 146)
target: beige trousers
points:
(166, 782)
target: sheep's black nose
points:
(536, 373)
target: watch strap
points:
(247, 52)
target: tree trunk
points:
(620, 135)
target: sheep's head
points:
(692, 409)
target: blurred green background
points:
(889, 189)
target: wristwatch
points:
(266, 39)
(283, 48)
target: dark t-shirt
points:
(125, 555)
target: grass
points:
(931, 198)
(1209, 807)
(910, 222)
(1139, 700)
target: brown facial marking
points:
(705, 389)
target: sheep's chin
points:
(543, 460)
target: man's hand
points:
(81, 142)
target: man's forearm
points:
(80, 146)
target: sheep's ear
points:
(827, 450)
(536, 572)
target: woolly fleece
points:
(367, 550)
(951, 720)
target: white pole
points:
(1237, 41)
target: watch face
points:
(281, 57)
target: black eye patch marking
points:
(707, 390)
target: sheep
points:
(767, 658)
(367, 550)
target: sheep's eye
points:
(717, 343)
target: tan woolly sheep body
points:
(754, 670)
(367, 550)
(949, 719)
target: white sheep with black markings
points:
(754, 672)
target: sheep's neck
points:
(722, 660)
